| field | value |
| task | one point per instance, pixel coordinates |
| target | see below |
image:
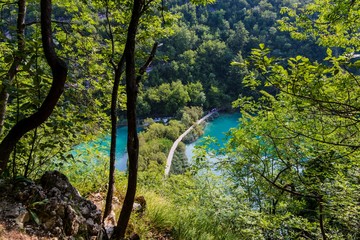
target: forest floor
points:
(14, 233)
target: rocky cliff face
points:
(50, 208)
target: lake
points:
(101, 147)
(216, 129)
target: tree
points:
(59, 71)
(196, 94)
(118, 26)
(118, 70)
(39, 149)
(132, 81)
(295, 147)
(333, 24)
(18, 57)
(296, 154)
(238, 37)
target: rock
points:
(78, 215)
(22, 218)
(85, 210)
(13, 211)
(50, 223)
(88, 209)
(72, 222)
(58, 207)
(96, 215)
(4, 186)
(137, 207)
(92, 227)
(56, 179)
(54, 192)
(28, 192)
(134, 236)
(109, 231)
(89, 221)
(110, 220)
(141, 200)
(57, 231)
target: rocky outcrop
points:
(53, 206)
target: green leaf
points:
(329, 52)
(43, 202)
(35, 217)
(356, 63)
(8, 58)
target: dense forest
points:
(74, 71)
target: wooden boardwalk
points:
(176, 143)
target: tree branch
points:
(19, 56)
(59, 72)
(286, 189)
(53, 21)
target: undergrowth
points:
(173, 207)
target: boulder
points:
(54, 206)
(55, 179)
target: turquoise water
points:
(121, 152)
(101, 148)
(216, 129)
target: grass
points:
(172, 212)
(185, 222)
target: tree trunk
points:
(114, 96)
(4, 95)
(132, 141)
(321, 219)
(59, 73)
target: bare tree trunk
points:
(118, 70)
(4, 95)
(132, 141)
(59, 72)
(114, 96)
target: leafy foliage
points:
(296, 154)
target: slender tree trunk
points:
(118, 70)
(114, 97)
(4, 95)
(59, 73)
(132, 140)
(30, 158)
(321, 219)
(14, 173)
